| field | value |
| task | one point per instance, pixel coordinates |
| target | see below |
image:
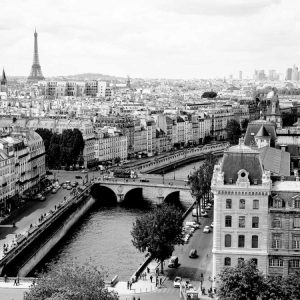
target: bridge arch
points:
(173, 198)
(133, 196)
(103, 194)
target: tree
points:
(209, 95)
(200, 180)
(244, 124)
(233, 131)
(273, 289)
(54, 151)
(158, 232)
(243, 282)
(71, 281)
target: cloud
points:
(237, 8)
(157, 38)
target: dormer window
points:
(277, 203)
(297, 203)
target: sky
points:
(150, 38)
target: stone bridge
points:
(131, 190)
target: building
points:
(240, 75)
(109, 146)
(3, 83)
(295, 73)
(289, 72)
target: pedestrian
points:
(15, 281)
(156, 281)
(151, 278)
(127, 285)
(130, 284)
(148, 270)
(18, 279)
(215, 290)
(5, 278)
(160, 281)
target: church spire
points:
(3, 79)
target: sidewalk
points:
(141, 285)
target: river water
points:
(103, 236)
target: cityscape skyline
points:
(152, 40)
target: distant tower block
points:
(36, 71)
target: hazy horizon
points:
(172, 39)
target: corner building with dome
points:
(256, 211)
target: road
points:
(192, 268)
(33, 213)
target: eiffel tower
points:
(36, 71)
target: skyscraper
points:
(289, 74)
(295, 73)
(36, 71)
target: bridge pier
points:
(120, 198)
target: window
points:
(254, 241)
(227, 261)
(295, 263)
(297, 203)
(277, 203)
(254, 260)
(296, 222)
(277, 222)
(241, 242)
(242, 221)
(255, 222)
(242, 203)
(228, 203)
(296, 241)
(228, 221)
(227, 240)
(275, 262)
(255, 204)
(276, 240)
(240, 260)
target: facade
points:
(109, 147)
(241, 191)
(22, 163)
(256, 213)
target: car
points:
(144, 180)
(177, 282)
(84, 171)
(73, 184)
(188, 284)
(69, 187)
(78, 177)
(193, 253)
(54, 190)
(206, 229)
(192, 224)
(205, 215)
(64, 185)
(39, 197)
(173, 262)
(212, 225)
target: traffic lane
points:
(31, 215)
(193, 268)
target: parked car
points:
(206, 229)
(212, 225)
(173, 262)
(69, 187)
(78, 177)
(205, 215)
(84, 171)
(54, 190)
(39, 197)
(177, 282)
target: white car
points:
(177, 282)
(84, 171)
(206, 229)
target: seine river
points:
(103, 236)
